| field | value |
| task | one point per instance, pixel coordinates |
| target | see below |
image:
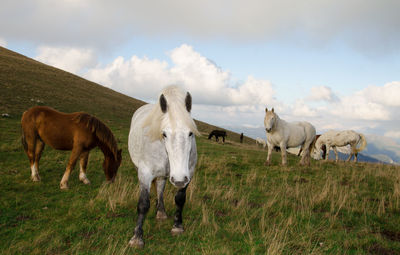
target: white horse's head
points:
(270, 119)
(319, 150)
(316, 153)
(178, 132)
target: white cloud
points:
(322, 93)
(143, 78)
(372, 103)
(357, 106)
(69, 59)
(3, 43)
(393, 134)
(387, 95)
(300, 109)
(139, 78)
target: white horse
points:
(288, 135)
(262, 142)
(335, 139)
(162, 144)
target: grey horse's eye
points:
(164, 135)
(190, 133)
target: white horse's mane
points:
(176, 111)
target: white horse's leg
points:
(336, 154)
(268, 161)
(328, 148)
(283, 154)
(305, 155)
(142, 209)
(352, 151)
(161, 214)
(350, 155)
(180, 199)
(83, 165)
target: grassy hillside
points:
(235, 205)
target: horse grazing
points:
(217, 133)
(261, 142)
(288, 135)
(162, 145)
(335, 139)
(323, 147)
(78, 132)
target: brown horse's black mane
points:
(102, 132)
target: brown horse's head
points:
(111, 165)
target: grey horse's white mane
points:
(176, 112)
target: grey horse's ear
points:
(266, 109)
(163, 103)
(272, 109)
(188, 102)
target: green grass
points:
(235, 204)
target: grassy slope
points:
(235, 205)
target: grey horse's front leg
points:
(180, 199)
(142, 209)
(161, 214)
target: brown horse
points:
(78, 132)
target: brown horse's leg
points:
(161, 214)
(71, 164)
(83, 164)
(29, 139)
(38, 153)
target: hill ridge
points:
(25, 82)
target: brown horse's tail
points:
(363, 143)
(23, 139)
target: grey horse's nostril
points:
(172, 179)
(186, 179)
(179, 184)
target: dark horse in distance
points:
(78, 132)
(217, 133)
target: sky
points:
(335, 63)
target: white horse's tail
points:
(363, 143)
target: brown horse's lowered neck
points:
(111, 162)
